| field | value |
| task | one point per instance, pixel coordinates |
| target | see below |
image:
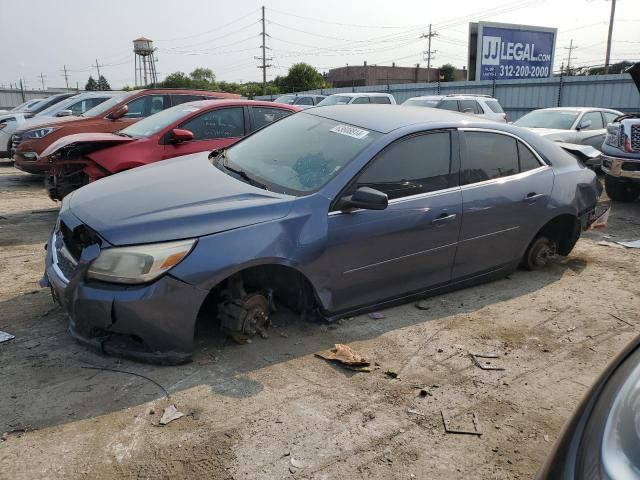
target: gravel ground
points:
(272, 409)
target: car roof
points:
(228, 102)
(386, 118)
(577, 109)
(360, 94)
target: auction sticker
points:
(350, 131)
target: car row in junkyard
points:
(329, 211)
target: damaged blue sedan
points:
(333, 211)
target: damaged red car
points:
(192, 127)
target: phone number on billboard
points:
(522, 71)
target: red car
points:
(205, 125)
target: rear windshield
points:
(104, 106)
(494, 106)
(154, 123)
(421, 102)
(298, 154)
(286, 99)
(335, 100)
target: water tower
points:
(144, 61)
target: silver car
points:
(580, 125)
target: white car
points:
(478, 105)
(358, 98)
(580, 125)
(302, 101)
(75, 105)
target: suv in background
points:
(479, 105)
(112, 115)
(302, 101)
(358, 98)
(621, 153)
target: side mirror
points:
(584, 124)
(119, 112)
(367, 198)
(179, 135)
(64, 113)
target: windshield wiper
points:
(122, 134)
(242, 173)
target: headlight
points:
(610, 448)
(138, 264)
(39, 132)
(2, 125)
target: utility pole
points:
(613, 14)
(571, 48)
(66, 76)
(42, 80)
(429, 52)
(264, 58)
(22, 90)
(98, 67)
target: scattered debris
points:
(484, 366)
(345, 355)
(5, 337)
(376, 315)
(31, 344)
(392, 374)
(427, 392)
(170, 414)
(476, 426)
(621, 320)
(415, 412)
(4, 437)
(420, 305)
(152, 411)
(107, 369)
(546, 438)
(296, 463)
(605, 243)
(630, 244)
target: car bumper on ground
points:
(153, 322)
(621, 167)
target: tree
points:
(203, 75)
(301, 76)
(103, 84)
(91, 84)
(176, 80)
(446, 72)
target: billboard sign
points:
(507, 52)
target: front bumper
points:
(621, 167)
(153, 322)
(29, 162)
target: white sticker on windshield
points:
(350, 131)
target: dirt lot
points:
(272, 410)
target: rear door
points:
(377, 254)
(213, 129)
(505, 188)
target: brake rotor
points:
(256, 318)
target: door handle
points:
(444, 218)
(533, 197)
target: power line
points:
(264, 47)
(429, 52)
(216, 29)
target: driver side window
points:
(410, 166)
(219, 123)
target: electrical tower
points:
(570, 48)
(144, 62)
(429, 53)
(264, 58)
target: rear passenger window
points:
(488, 156)
(471, 106)
(494, 106)
(448, 105)
(380, 100)
(319, 99)
(528, 160)
(410, 166)
(361, 100)
(304, 101)
(263, 116)
(219, 123)
(146, 105)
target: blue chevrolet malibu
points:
(333, 211)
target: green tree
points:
(301, 76)
(176, 80)
(103, 84)
(446, 72)
(91, 84)
(203, 75)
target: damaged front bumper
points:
(152, 322)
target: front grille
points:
(68, 245)
(15, 141)
(631, 166)
(65, 265)
(635, 137)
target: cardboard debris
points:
(170, 414)
(347, 357)
(631, 244)
(606, 243)
(5, 337)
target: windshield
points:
(29, 104)
(422, 102)
(56, 107)
(286, 99)
(335, 100)
(298, 154)
(154, 123)
(104, 106)
(559, 119)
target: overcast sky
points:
(41, 36)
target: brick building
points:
(360, 75)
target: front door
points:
(505, 189)
(211, 130)
(592, 130)
(376, 255)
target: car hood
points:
(50, 122)
(97, 141)
(185, 197)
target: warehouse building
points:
(360, 75)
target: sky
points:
(41, 37)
